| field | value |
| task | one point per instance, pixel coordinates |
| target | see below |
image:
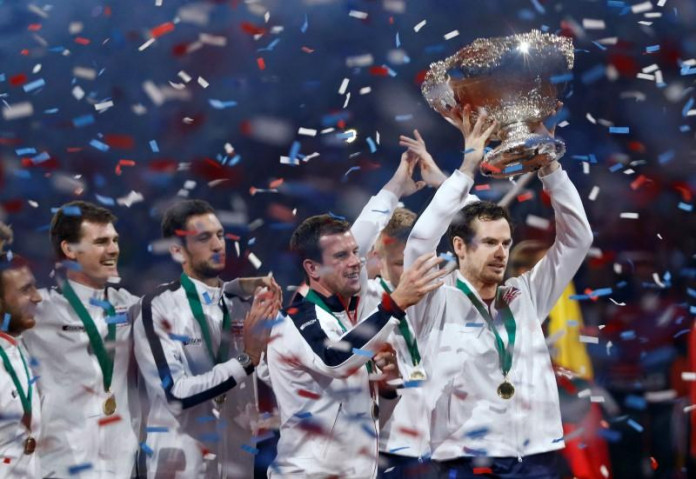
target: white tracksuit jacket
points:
(14, 463)
(467, 416)
(71, 388)
(326, 413)
(189, 435)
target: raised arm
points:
(548, 279)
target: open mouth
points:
(109, 263)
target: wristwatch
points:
(246, 363)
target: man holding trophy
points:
(492, 393)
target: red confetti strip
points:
(420, 77)
(184, 233)
(232, 237)
(122, 163)
(124, 142)
(252, 191)
(18, 80)
(6, 460)
(308, 394)
(82, 41)
(308, 50)
(684, 191)
(261, 63)
(638, 182)
(109, 420)
(483, 470)
(409, 431)
(251, 29)
(379, 71)
(276, 183)
(163, 29)
(24, 51)
(653, 463)
(525, 196)
(34, 27)
(482, 187)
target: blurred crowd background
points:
(277, 110)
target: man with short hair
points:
(81, 347)
(197, 343)
(492, 391)
(319, 360)
(20, 415)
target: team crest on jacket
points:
(511, 294)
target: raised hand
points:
(475, 139)
(418, 280)
(430, 172)
(249, 286)
(256, 333)
(402, 183)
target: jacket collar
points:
(334, 303)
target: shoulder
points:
(161, 295)
(120, 296)
(301, 313)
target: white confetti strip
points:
(78, 92)
(593, 193)
(254, 260)
(420, 25)
(365, 90)
(688, 376)
(608, 41)
(451, 35)
(690, 408)
(202, 82)
(344, 86)
(589, 340)
(538, 222)
(585, 393)
(360, 60)
(597, 399)
(307, 131)
(105, 105)
(642, 7)
(37, 10)
(146, 44)
(85, 73)
(590, 118)
(661, 3)
(213, 40)
(645, 76)
(184, 76)
(345, 103)
(650, 68)
(18, 110)
(605, 472)
(593, 24)
(629, 216)
(358, 14)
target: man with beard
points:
(197, 344)
(492, 391)
(20, 417)
(81, 347)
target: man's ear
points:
(68, 250)
(311, 268)
(459, 247)
(177, 252)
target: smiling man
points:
(19, 403)
(81, 347)
(197, 342)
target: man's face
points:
(391, 253)
(485, 259)
(97, 251)
(204, 251)
(19, 299)
(339, 270)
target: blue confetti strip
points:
(403, 117)
(513, 168)
(687, 106)
(179, 337)
(6, 322)
(619, 130)
(628, 335)
(371, 144)
(305, 25)
(105, 200)
(561, 78)
(363, 352)
(477, 433)
(98, 302)
(249, 449)
(84, 120)
(666, 157)
(25, 151)
(616, 167)
(685, 206)
(221, 105)
(294, 150)
(99, 145)
(72, 211)
(154, 146)
(156, 429)
(34, 85)
(337, 217)
(117, 319)
(146, 449)
(397, 40)
(473, 324)
(635, 425)
(72, 470)
(652, 48)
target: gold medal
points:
(109, 406)
(29, 445)
(506, 390)
(417, 375)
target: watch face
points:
(244, 359)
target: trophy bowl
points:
(517, 80)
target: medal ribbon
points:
(105, 358)
(505, 354)
(405, 331)
(194, 301)
(313, 297)
(25, 398)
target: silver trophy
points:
(517, 79)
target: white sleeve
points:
(372, 220)
(305, 340)
(547, 280)
(425, 236)
(161, 360)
